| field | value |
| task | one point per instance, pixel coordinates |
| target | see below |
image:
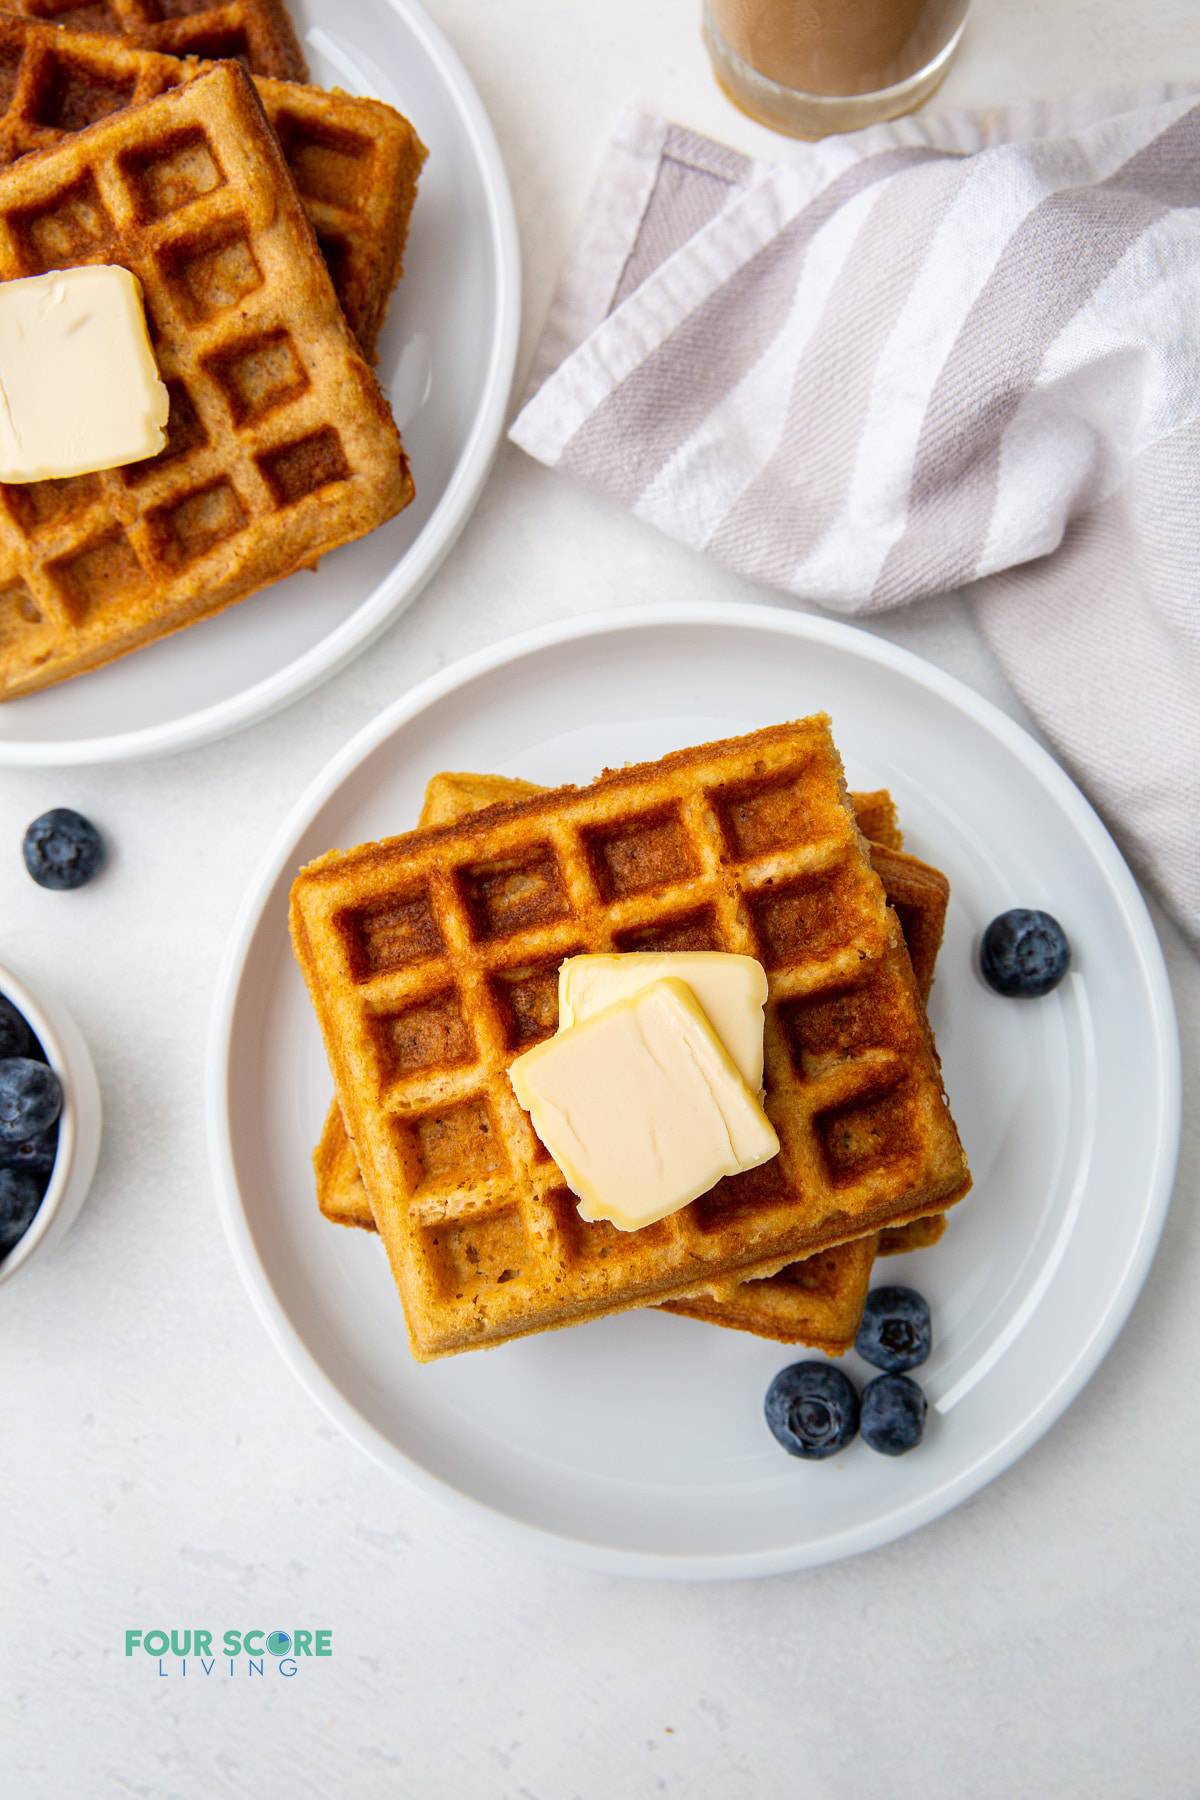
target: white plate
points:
(638, 1442)
(446, 360)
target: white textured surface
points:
(159, 1466)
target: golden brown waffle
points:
(818, 1301)
(280, 443)
(877, 819)
(919, 1234)
(355, 162)
(257, 32)
(451, 795)
(920, 895)
(432, 962)
(341, 1195)
(922, 891)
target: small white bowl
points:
(78, 1126)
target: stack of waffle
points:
(432, 962)
(266, 221)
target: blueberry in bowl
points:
(16, 1039)
(31, 1099)
(812, 1410)
(896, 1332)
(62, 849)
(36, 1155)
(892, 1415)
(1024, 953)
(20, 1198)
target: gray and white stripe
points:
(940, 353)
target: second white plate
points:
(638, 1442)
(446, 362)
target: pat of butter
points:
(732, 991)
(642, 1107)
(79, 386)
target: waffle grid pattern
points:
(257, 480)
(257, 33)
(818, 1301)
(355, 162)
(433, 960)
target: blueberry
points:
(895, 1332)
(16, 1039)
(30, 1099)
(63, 849)
(812, 1408)
(1024, 953)
(35, 1155)
(893, 1414)
(20, 1197)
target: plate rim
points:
(420, 562)
(884, 1528)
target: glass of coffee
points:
(810, 67)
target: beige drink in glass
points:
(810, 67)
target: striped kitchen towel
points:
(941, 353)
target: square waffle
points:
(918, 892)
(818, 1301)
(432, 962)
(280, 443)
(355, 162)
(256, 32)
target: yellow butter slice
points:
(642, 1106)
(731, 989)
(79, 386)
